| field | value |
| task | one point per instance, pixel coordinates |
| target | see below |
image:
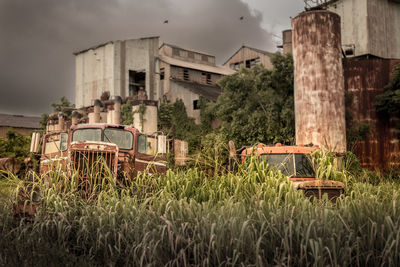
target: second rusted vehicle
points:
(294, 162)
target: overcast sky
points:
(38, 37)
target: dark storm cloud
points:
(38, 38)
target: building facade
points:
(248, 57)
(187, 74)
(21, 124)
(369, 26)
(118, 68)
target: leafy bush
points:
(257, 105)
(15, 145)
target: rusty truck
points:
(123, 149)
(294, 162)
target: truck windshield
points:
(123, 139)
(87, 135)
(287, 163)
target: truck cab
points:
(89, 148)
(294, 162)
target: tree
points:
(173, 115)
(15, 145)
(257, 105)
(64, 106)
(388, 103)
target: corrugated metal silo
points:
(318, 80)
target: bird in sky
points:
(241, 18)
(165, 21)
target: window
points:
(186, 74)
(211, 60)
(123, 139)
(209, 81)
(137, 79)
(204, 58)
(292, 165)
(142, 144)
(183, 53)
(235, 66)
(252, 62)
(196, 104)
(190, 55)
(303, 165)
(162, 73)
(175, 51)
(86, 135)
(63, 142)
(282, 162)
(197, 56)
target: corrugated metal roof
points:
(251, 48)
(207, 91)
(19, 121)
(190, 50)
(196, 66)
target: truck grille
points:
(93, 164)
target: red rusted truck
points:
(122, 148)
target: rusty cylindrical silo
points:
(318, 80)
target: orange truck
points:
(294, 162)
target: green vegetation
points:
(173, 120)
(388, 103)
(257, 104)
(126, 113)
(64, 106)
(15, 145)
(193, 217)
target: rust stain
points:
(318, 78)
(365, 78)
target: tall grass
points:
(187, 217)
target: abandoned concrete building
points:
(248, 57)
(21, 124)
(187, 74)
(118, 68)
(122, 68)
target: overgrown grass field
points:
(251, 217)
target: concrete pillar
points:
(287, 41)
(75, 117)
(117, 110)
(61, 122)
(146, 122)
(96, 111)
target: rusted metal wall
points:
(365, 78)
(318, 80)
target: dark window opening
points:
(137, 79)
(204, 58)
(235, 66)
(252, 62)
(186, 74)
(196, 104)
(208, 80)
(162, 73)
(175, 51)
(190, 54)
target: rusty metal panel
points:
(318, 79)
(365, 78)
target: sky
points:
(38, 37)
